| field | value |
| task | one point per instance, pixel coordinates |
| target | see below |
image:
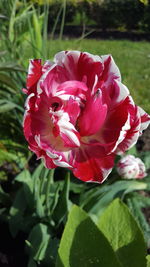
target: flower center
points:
(55, 106)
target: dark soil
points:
(12, 250)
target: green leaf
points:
(16, 221)
(83, 244)
(4, 197)
(125, 236)
(97, 199)
(37, 32)
(7, 80)
(7, 156)
(135, 203)
(11, 66)
(148, 260)
(36, 186)
(26, 179)
(145, 2)
(38, 241)
(5, 107)
(132, 151)
(32, 263)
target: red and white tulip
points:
(79, 115)
(130, 167)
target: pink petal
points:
(48, 82)
(76, 65)
(93, 116)
(72, 88)
(89, 66)
(73, 109)
(115, 127)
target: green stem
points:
(49, 182)
(63, 20)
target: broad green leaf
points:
(125, 236)
(83, 244)
(38, 241)
(23, 177)
(51, 253)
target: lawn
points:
(132, 58)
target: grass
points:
(132, 58)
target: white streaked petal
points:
(113, 69)
(62, 164)
(145, 124)
(59, 57)
(123, 132)
(52, 155)
(95, 58)
(124, 92)
(43, 77)
(27, 101)
(37, 140)
(95, 83)
(71, 135)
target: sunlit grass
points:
(132, 58)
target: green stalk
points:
(63, 20)
(56, 22)
(11, 33)
(49, 182)
(45, 29)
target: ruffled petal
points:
(34, 73)
(145, 119)
(111, 71)
(92, 168)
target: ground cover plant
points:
(48, 216)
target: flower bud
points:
(130, 167)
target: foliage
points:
(41, 205)
(93, 248)
(108, 14)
